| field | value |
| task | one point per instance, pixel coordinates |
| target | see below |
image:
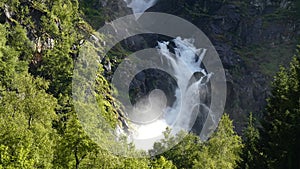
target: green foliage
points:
(38, 124)
(223, 148)
(252, 154)
(74, 146)
(93, 12)
(107, 103)
(28, 111)
(184, 148)
(9, 63)
(76, 150)
(57, 63)
(267, 57)
(283, 116)
(19, 41)
(162, 163)
(26, 114)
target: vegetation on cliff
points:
(39, 128)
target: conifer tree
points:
(283, 116)
(252, 156)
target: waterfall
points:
(140, 6)
(185, 63)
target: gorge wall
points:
(253, 39)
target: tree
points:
(162, 163)
(181, 149)
(16, 143)
(61, 25)
(9, 62)
(74, 146)
(222, 150)
(26, 113)
(252, 156)
(282, 118)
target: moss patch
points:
(267, 57)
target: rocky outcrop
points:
(235, 29)
(241, 33)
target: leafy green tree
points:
(162, 163)
(26, 113)
(223, 148)
(182, 153)
(16, 143)
(74, 146)
(29, 111)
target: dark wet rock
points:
(232, 28)
(228, 57)
(148, 80)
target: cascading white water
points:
(140, 6)
(183, 113)
(181, 116)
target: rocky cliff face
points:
(252, 38)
